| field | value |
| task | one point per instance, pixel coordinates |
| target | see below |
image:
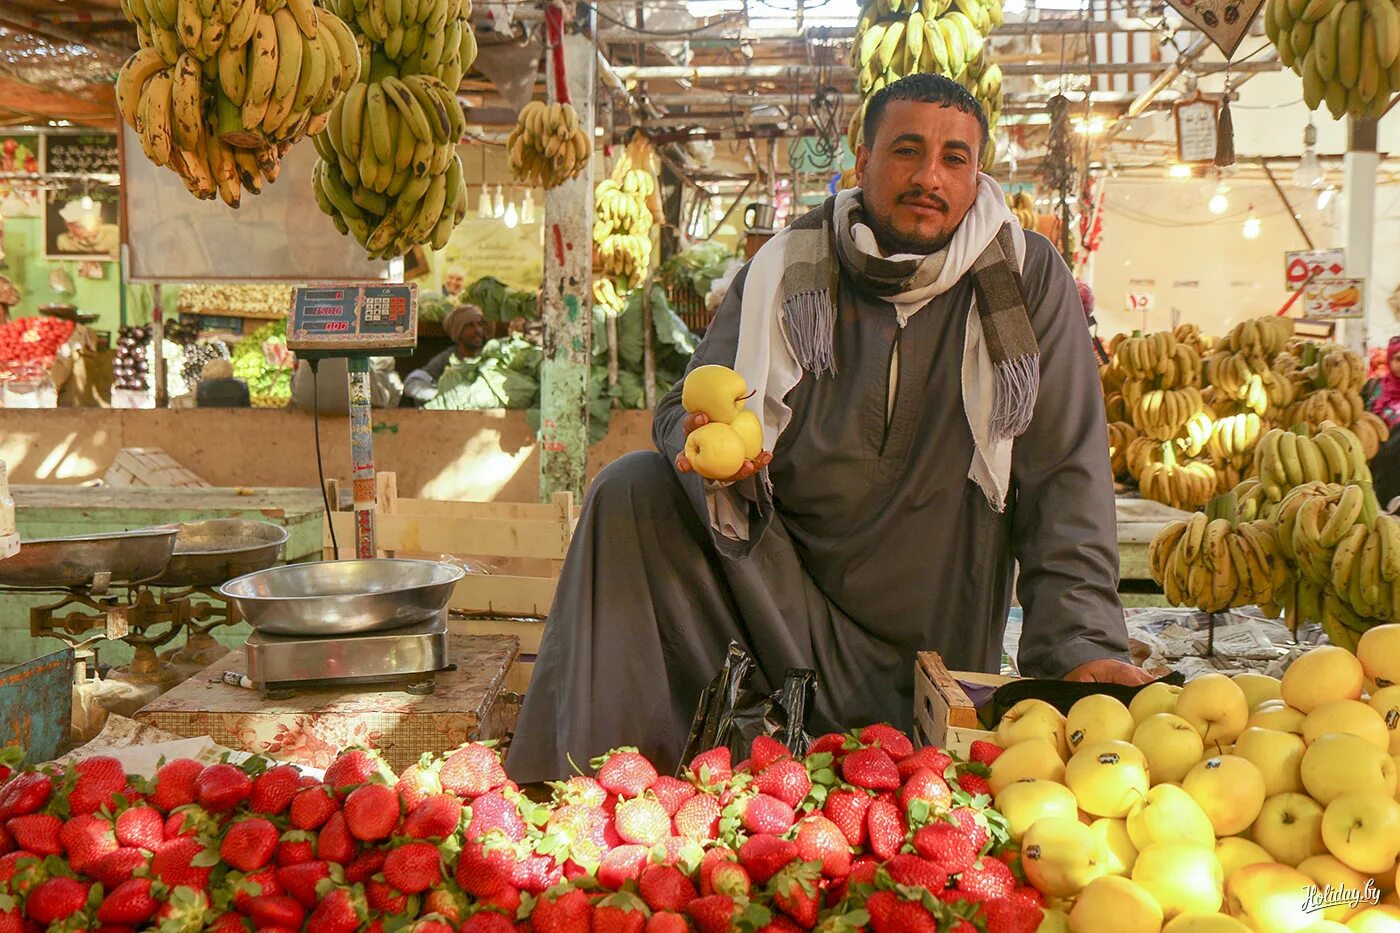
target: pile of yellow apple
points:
(1239, 803)
(732, 434)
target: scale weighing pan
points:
(211, 552)
(65, 563)
(343, 597)
(406, 657)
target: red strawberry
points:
(764, 751)
(974, 784)
(483, 872)
(625, 773)
(100, 778)
(698, 818)
(667, 923)
(730, 878)
(847, 809)
(833, 743)
(140, 827)
(274, 789)
(185, 909)
(355, 766)
(664, 887)
(225, 923)
(884, 826)
(488, 921)
(765, 814)
(536, 874)
(7, 843)
(249, 844)
(713, 914)
(261, 883)
(893, 914)
(372, 812)
(175, 784)
(915, 872)
(507, 900)
(973, 823)
(25, 793)
(365, 866)
(796, 894)
(129, 903)
(340, 911)
(779, 924)
(117, 866)
(871, 768)
(383, 898)
(186, 821)
(221, 787)
(471, 771)
(820, 840)
(296, 846)
(419, 781)
(672, 792)
(334, 843)
(55, 899)
(986, 880)
(763, 856)
(276, 910)
(494, 812)
(619, 913)
(934, 759)
(312, 806)
(414, 867)
(173, 863)
(581, 790)
(889, 738)
(984, 752)
(642, 821)
(1012, 914)
(927, 787)
(786, 780)
(300, 881)
(435, 817)
(621, 865)
(947, 844)
(86, 838)
(713, 767)
(562, 912)
(37, 833)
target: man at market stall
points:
(465, 326)
(918, 446)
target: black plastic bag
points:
(732, 712)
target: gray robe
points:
(867, 541)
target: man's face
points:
(919, 175)
(473, 334)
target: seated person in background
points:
(331, 394)
(1387, 404)
(466, 328)
(218, 389)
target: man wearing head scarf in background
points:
(1385, 466)
(1086, 298)
(466, 328)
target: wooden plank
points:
(275, 502)
(150, 467)
(504, 594)
(529, 633)
(443, 508)
(518, 677)
(463, 536)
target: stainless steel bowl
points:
(61, 563)
(342, 597)
(210, 552)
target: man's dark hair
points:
(924, 88)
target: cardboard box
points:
(944, 716)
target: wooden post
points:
(566, 297)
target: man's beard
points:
(893, 243)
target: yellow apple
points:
(1215, 707)
(1322, 675)
(1379, 654)
(1277, 755)
(1281, 718)
(1363, 831)
(1061, 855)
(1122, 852)
(715, 451)
(1230, 790)
(717, 392)
(1033, 719)
(1386, 702)
(1097, 718)
(1339, 763)
(1032, 758)
(1168, 814)
(1115, 905)
(1153, 699)
(1381, 919)
(1170, 745)
(1205, 923)
(1235, 852)
(1269, 898)
(1023, 802)
(1350, 716)
(1327, 871)
(1107, 778)
(1053, 921)
(1183, 877)
(1258, 688)
(1323, 926)
(1289, 828)
(750, 431)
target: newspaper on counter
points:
(1243, 640)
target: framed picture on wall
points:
(81, 216)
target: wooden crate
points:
(149, 466)
(525, 544)
(943, 714)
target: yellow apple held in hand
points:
(1235, 852)
(1379, 654)
(1122, 853)
(1322, 675)
(1184, 878)
(1033, 719)
(1289, 828)
(1032, 758)
(1206, 923)
(1169, 814)
(1097, 718)
(717, 392)
(1153, 699)
(715, 451)
(1171, 746)
(1026, 801)
(1115, 905)
(1386, 702)
(1215, 707)
(1108, 778)
(1363, 831)
(1061, 855)
(1280, 718)
(1269, 898)
(1327, 871)
(1381, 919)
(1277, 755)
(1258, 688)
(750, 431)
(1230, 790)
(1053, 921)
(1339, 763)
(1350, 716)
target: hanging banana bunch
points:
(626, 206)
(1346, 51)
(219, 90)
(548, 146)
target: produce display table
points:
(1138, 521)
(314, 726)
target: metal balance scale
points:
(362, 621)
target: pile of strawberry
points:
(862, 834)
(32, 341)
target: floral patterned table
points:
(313, 726)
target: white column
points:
(1359, 187)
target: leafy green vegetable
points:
(697, 266)
(268, 386)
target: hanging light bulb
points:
(483, 204)
(499, 210)
(1252, 225)
(1309, 173)
(1179, 170)
(512, 218)
(1325, 198)
(527, 208)
(1219, 203)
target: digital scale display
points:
(350, 318)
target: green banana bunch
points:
(1346, 51)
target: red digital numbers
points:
(335, 327)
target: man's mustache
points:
(926, 200)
